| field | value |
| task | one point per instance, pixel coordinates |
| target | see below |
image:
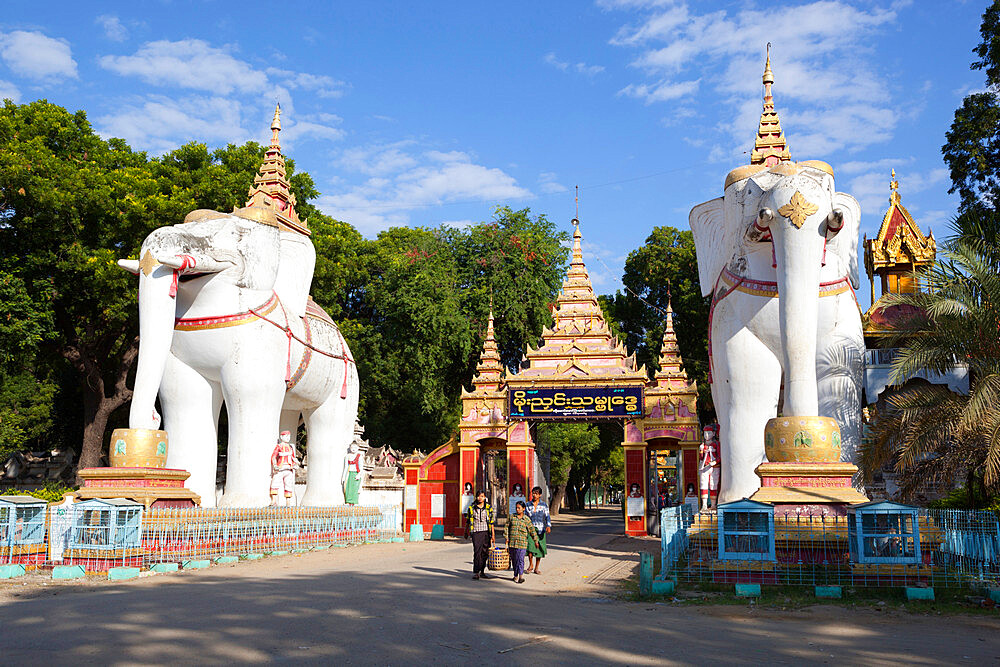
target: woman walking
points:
(479, 525)
(538, 512)
(517, 531)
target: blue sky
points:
(410, 113)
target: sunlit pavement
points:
(416, 603)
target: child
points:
(516, 531)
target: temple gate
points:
(581, 372)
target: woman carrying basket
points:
(517, 531)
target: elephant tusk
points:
(130, 265)
(764, 218)
(835, 220)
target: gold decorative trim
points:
(200, 214)
(264, 216)
(798, 209)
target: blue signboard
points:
(575, 403)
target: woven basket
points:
(499, 559)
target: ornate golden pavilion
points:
(899, 248)
(578, 350)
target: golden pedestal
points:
(803, 464)
(137, 472)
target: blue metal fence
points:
(941, 548)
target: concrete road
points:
(400, 604)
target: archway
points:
(580, 372)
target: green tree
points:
(519, 262)
(569, 446)
(413, 341)
(972, 149)
(664, 270)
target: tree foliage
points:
(664, 270)
(972, 149)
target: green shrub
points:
(52, 492)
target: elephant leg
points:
(253, 404)
(330, 429)
(839, 374)
(747, 378)
(191, 404)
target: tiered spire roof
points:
(671, 366)
(271, 190)
(900, 245)
(489, 370)
(579, 345)
(769, 147)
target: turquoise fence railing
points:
(956, 549)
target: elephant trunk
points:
(157, 309)
(798, 254)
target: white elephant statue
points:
(224, 317)
(778, 254)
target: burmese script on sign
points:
(576, 403)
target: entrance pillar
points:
(635, 480)
(468, 477)
(520, 461)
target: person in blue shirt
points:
(538, 512)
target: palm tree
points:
(927, 431)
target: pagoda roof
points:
(271, 192)
(900, 245)
(579, 346)
(769, 146)
(489, 370)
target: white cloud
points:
(33, 55)
(9, 91)
(580, 68)
(160, 124)
(402, 178)
(660, 92)
(189, 63)
(548, 183)
(113, 28)
(829, 93)
(320, 84)
(871, 188)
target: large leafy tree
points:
(664, 269)
(972, 150)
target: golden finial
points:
(770, 147)
(768, 77)
(276, 124)
(893, 189)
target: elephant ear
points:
(714, 242)
(845, 243)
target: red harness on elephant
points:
(261, 312)
(728, 282)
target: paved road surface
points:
(399, 604)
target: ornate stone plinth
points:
(137, 472)
(153, 487)
(803, 465)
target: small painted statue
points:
(352, 475)
(284, 461)
(709, 466)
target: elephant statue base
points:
(138, 472)
(803, 472)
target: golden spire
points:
(769, 147)
(276, 126)
(893, 189)
(670, 364)
(271, 190)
